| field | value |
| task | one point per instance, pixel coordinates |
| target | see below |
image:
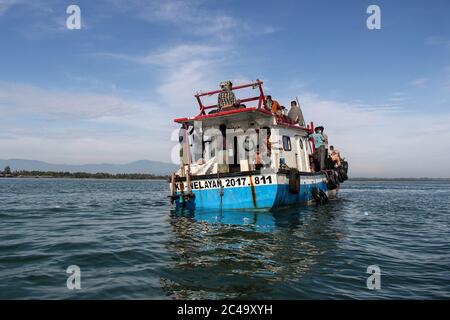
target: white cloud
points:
(438, 41)
(195, 17)
(418, 83)
(383, 139)
(38, 19)
(61, 126)
(382, 143)
(78, 127)
(183, 69)
(5, 5)
(85, 150)
(376, 141)
(191, 16)
(398, 99)
(182, 54)
(54, 104)
(187, 68)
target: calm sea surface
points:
(129, 243)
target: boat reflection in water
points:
(260, 221)
(247, 254)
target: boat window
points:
(287, 143)
(301, 143)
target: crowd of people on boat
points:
(323, 158)
(292, 116)
(227, 100)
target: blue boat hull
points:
(249, 191)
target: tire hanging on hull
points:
(344, 170)
(315, 194)
(333, 181)
(319, 195)
(323, 196)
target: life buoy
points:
(294, 181)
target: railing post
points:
(261, 95)
(261, 99)
(202, 108)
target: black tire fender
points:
(316, 195)
(323, 196)
(340, 176)
(332, 181)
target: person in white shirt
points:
(294, 112)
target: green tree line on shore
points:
(7, 172)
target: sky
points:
(109, 91)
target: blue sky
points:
(109, 92)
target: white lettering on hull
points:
(231, 182)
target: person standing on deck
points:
(226, 98)
(184, 133)
(181, 138)
(325, 141)
(325, 137)
(318, 139)
(294, 112)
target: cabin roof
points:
(224, 114)
(243, 114)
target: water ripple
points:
(130, 244)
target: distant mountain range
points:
(140, 166)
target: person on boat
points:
(266, 145)
(259, 161)
(184, 134)
(226, 98)
(312, 163)
(325, 141)
(181, 138)
(335, 156)
(274, 106)
(325, 137)
(294, 112)
(318, 139)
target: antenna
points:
(301, 119)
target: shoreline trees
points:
(8, 173)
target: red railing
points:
(261, 98)
(257, 84)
